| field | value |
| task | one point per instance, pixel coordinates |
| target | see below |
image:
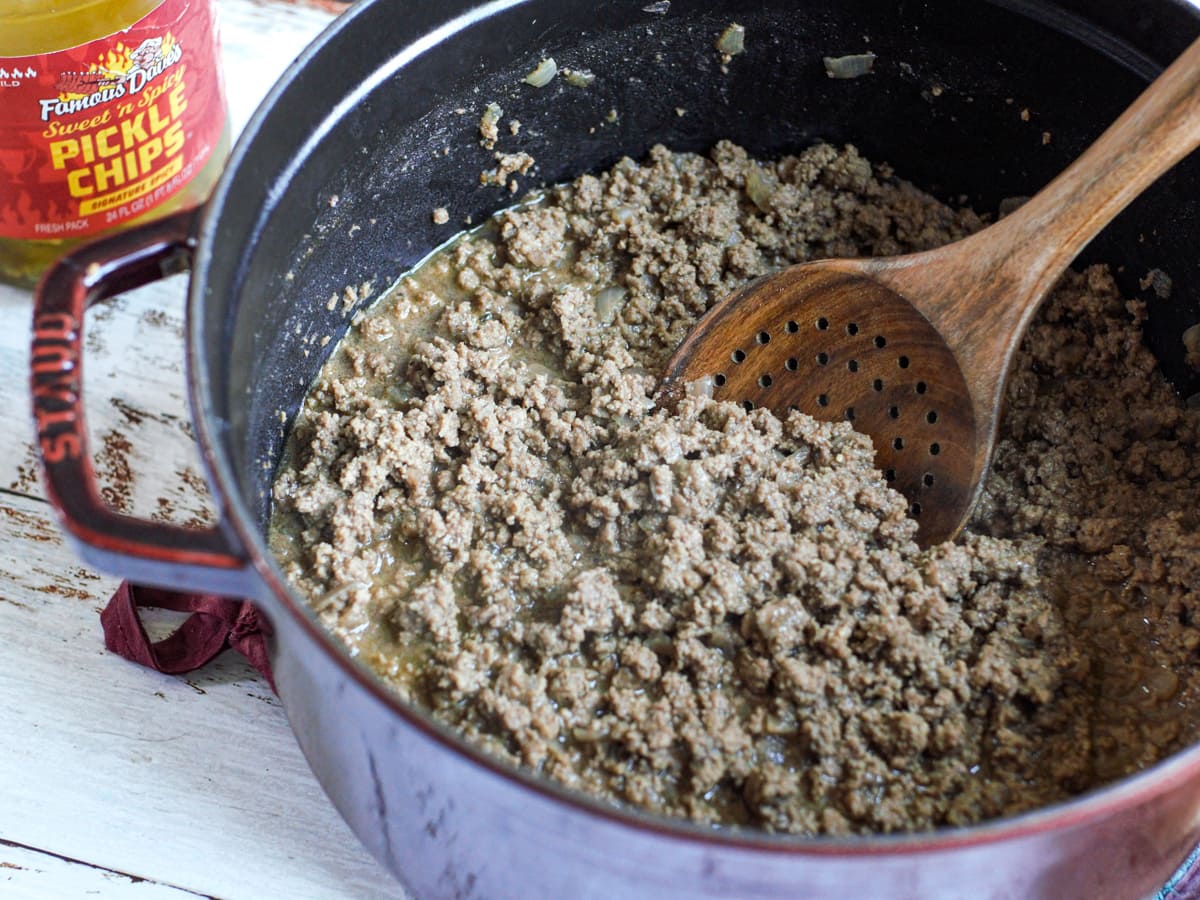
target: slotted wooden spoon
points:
(915, 350)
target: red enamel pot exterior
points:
(332, 184)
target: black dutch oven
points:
(332, 184)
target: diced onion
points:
(543, 74)
(1158, 281)
(1191, 341)
(487, 122)
(1159, 685)
(852, 66)
(326, 600)
(701, 387)
(608, 301)
(732, 40)
(759, 188)
(579, 78)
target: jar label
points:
(106, 131)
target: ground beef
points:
(718, 614)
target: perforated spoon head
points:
(830, 341)
(915, 350)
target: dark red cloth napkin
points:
(215, 623)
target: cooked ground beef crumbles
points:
(715, 613)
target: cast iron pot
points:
(333, 183)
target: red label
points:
(108, 130)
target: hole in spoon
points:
(877, 384)
(822, 324)
(763, 337)
(903, 362)
(922, 387)
(852, 328)
(738, 356)
(849, 413)
(898, 443)
(822, 359)
(764, 381)
(852, 365)
(931, 416)
(822, 400)
(935, 449)
(880, 341)
(792, 327)
(894, 412)
(719, 380)
(928, 479)
(792, 364)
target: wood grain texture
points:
(842, 348)
(982, 292)
(140, 430)
(27, 874)
(109, 752)
(116, 781)
(978, 294)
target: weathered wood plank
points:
(259, 38)
(27, 874)
(193, 784)
(99, 753)
(139, 429)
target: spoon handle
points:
(1157, 131)
(981, 292)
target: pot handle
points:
(145, 551)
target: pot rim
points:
(273, 588)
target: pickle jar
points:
(112, 112)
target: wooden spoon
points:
(915, 350)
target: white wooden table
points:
(116, 781)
